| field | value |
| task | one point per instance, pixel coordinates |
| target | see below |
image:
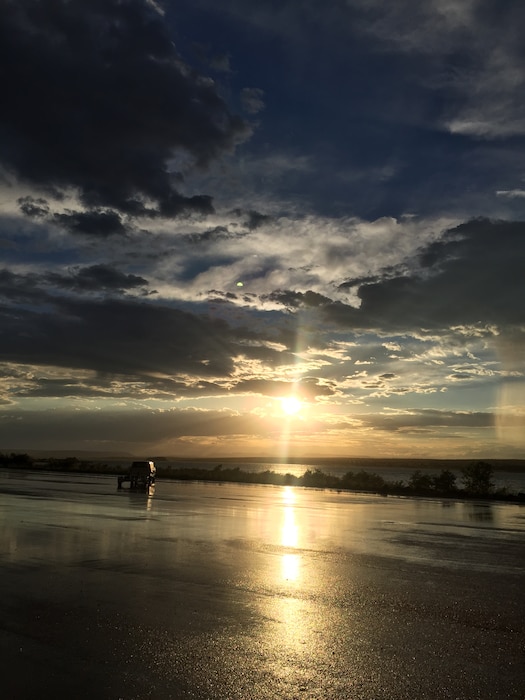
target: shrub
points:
(420, 481)
(477, 478)
(362, 481)
(444, 482)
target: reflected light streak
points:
(289, 530)
(290, 566)
(291, 638)
(289, 537)
(288, 495)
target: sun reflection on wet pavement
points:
(290, 562)
(232, 592)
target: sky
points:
(278, 229)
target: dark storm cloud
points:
(388, 272)
(359, 281)
(96, 278)
(256, 219)
(33, 206)
(41, 387)
(429, 418)
(115, 387)
(214, 234)
(123, 337)
(472, 276)
(175, 204)
(296, 300)
(91, 223)
(20, 289)
(124, 429)
(37, 288)
(96, 98)
(252, 219)
(119, 387)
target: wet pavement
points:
(233, 591)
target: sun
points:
(291, 405)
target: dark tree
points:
(362, 481)
(319, 479)
(444, 482)
(420, 482)
(477, 478)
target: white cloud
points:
(427, 27)
(511, 194)
(310, 253)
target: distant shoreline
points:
(498, 464)
(509, 465)
(477, 482)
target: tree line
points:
(476, 479)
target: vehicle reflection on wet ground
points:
(202, 590)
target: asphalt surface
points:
(226, 592)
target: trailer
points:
(141, 476)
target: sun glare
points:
(290, 405)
